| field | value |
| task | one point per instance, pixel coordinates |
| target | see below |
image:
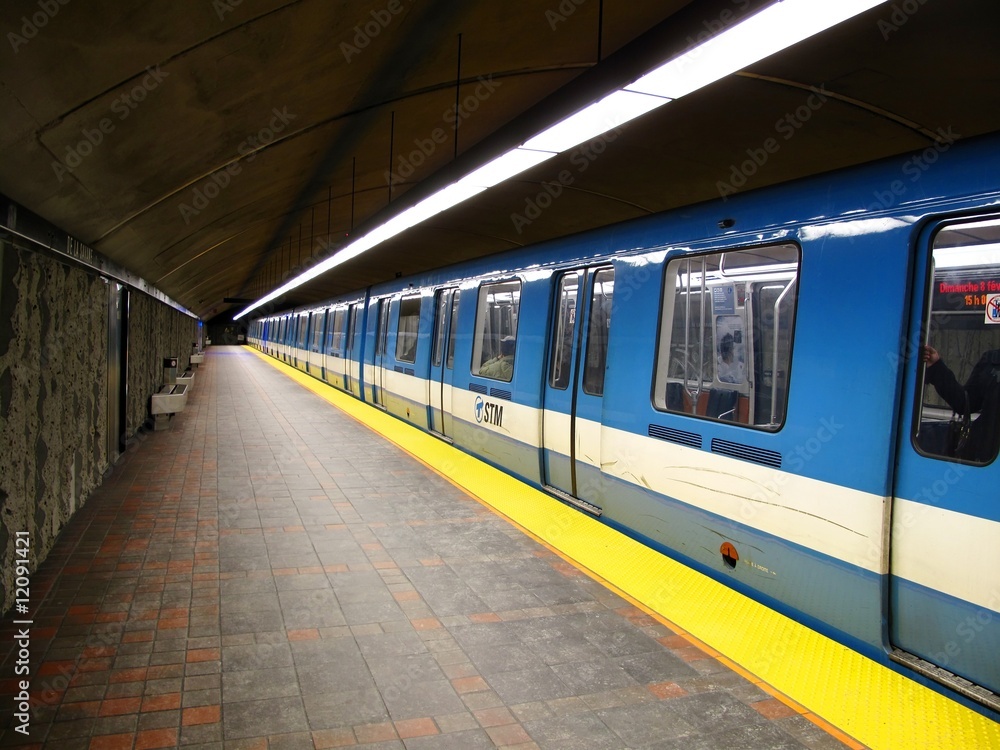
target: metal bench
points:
(170, 399)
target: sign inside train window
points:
(967, 295)
(993, 309)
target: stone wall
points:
(155, 331)
(53, 399)
(54, 391)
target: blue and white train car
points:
(744, 385)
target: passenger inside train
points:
(500, 367)
(972, 440)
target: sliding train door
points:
(443, 360)
(381, 336)
(574, 385)
(944, 559)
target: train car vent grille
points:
(397, 368)
(747, 453)
(408, 371)
(478, 388)
(690, 439)
(500, 393)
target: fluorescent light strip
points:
(609, 113)
(780, 25)
(773, 29)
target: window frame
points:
(479, 357)
(743, 279)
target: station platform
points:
(271, 572)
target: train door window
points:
(726, 335)
(564, 330)
(303, 331)
(958, 414)
(496, 330)
(452, 331)
(318, 320)
(440, 311)
(353, 322)
(597, 332)
(335, 332)
(406, 331)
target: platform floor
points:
(270, 573)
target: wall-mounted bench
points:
(186, 378)
(197, 358)
(170, 399)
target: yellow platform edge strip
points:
(862, 699)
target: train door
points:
(381, 337)
(352, 367)
(944, 560)
(574, 385)
(443, 360)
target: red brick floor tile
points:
(308, 634)
(201, 715)
(474, 684)
(112, 742)
(410, 728)
(510, 734)
(368, 734)
(773, 709)
(165, 702)
(665, 690)
(128, 675)
(484, 617)
(332, 738)
(494, 717)
(203, 654)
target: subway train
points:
(793, 390)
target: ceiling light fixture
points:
(774, 28)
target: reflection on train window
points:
(303, 330)
(453, 331)
(597, 332)
(958, 415)
(406, 331)
(317, 331)
(335, 333)
(564, 330)
(496, 330)
(726, 335)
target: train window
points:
(303, 331)
(496, 330)
(726, 335)
(597, 332)
(452, 331)
(406, 331)
(353, 324)
(318, 318)
(958, 414)
(337, 331)
(564, 330)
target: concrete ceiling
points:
(215, 146)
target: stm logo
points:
(488, 412)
